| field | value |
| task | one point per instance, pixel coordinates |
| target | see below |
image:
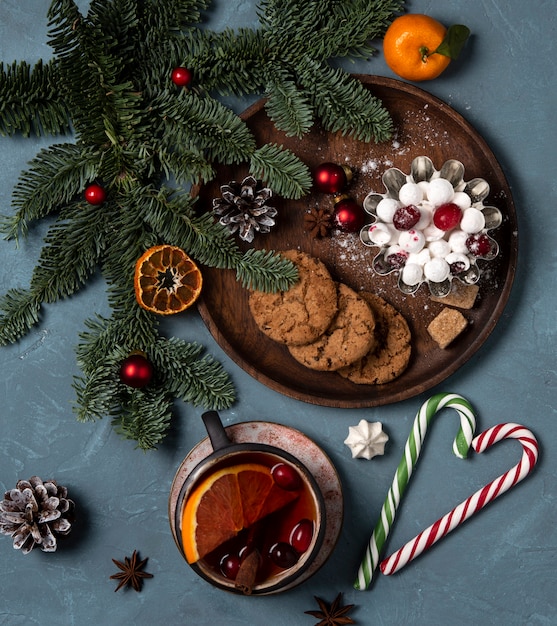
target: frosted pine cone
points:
(34, 512)
(243, 208)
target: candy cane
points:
(477, 501)
(461, 446)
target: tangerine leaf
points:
(454, 41)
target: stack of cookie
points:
(327, 326)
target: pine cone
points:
(34, 512)
(243, 208)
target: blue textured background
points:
(499, 568)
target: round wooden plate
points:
(426, 126)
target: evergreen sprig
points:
(288, 60)
(134, 131)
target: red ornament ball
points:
(182, 76)
(136, 371)
(348, 215)
(331, 178)
(95, 194)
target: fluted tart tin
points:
(431, 226)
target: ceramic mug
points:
(282, 559)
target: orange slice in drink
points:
(166, 280)
(229, 500)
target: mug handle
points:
(215, 430)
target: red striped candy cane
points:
(477, 501)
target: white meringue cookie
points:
(473, 220)
(386, 209)
(380, 234)
(462, 200)
(411, 240)
(437, 270)
(457, 241)
(412, 274)
(410, 193)
(439, 248)
(366, 440)
(440, 191)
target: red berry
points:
(348, 215)
(406, 217)
(182, 76)
(479, 244)
(283, 555)
(447, 216)
(301, 535)
(330, 178)
(457, 267)
(286, 477)
(230, 565)
(397, 260)
(136, 371)
(95, 194)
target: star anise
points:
(318, 222)
(334, 614)
(132, 572)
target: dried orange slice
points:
(166, 280)
(229, 500)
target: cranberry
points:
(397, 260)
(406, 217)
(181, 76)
(479, 244)
(301, 535)
(457, 267)
(286, 477)
(230, 565)
(283, 555)
(447, 216)
(95, 194)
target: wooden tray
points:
(425, 126)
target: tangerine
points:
(410, 47)
(166, 280)
(226, 502)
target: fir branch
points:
(109, 340)
(186, 166)
(287, 107)
(113, 104)
(97, 395)
(145, 417)
(282, 171)
(72, 250)
(207, 124)
(228, 62)
(30, 101)
(264, 270)
(19, 312)
(173, 218)
(344, 104)
(55, 176)
(199, 381)
(170, 16)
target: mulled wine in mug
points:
(250, 517)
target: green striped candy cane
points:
(461, 446)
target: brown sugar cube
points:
(462, 296)
(447, 326)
